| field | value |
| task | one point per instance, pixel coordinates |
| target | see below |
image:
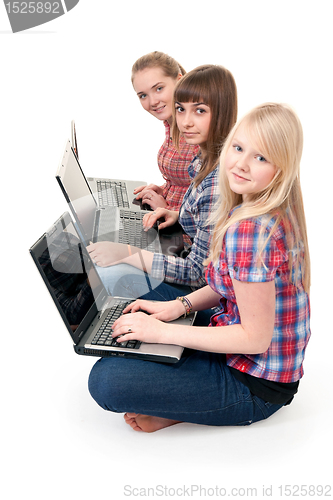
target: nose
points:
(154, 101)
(187, 120)
(242, 163)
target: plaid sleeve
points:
(243, 244)
(190, 271)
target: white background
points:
(56, 441)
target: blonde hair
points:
(166, 63)
(275, 130)
(215, 86)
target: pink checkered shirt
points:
(173, 166)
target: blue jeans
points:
(199, 389)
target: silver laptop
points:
(82, 301)
(110, 223)
(111, 192)
(100, 223)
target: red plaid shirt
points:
(283, 361)
(173, 166)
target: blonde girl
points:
(248, 363)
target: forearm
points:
(253, 335)
(142, 259)
(221, 339)
(204, 298)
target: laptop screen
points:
(77, 192)
(70, 276)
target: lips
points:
(239, 178)
(158, 110)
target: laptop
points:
(110, 223)
(111, 192)
(82, 301)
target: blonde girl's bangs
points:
(277, 133)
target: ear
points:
(179, 76)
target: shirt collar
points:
(194, 166)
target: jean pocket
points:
(266, 409)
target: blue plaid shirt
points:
(198, 204)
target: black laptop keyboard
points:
(112, 194)
(104, 337)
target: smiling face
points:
(193, 120)
(247, 170)
(155, 91)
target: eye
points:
(237, 148)
(159, 89)
(200, 111)
(179, 109)
(260, 158)
(142, 96)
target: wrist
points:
(187, 305)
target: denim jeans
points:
(199, 389)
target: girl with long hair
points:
(248, 363)
(154, 77)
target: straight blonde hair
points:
(215, 86)
(275, 130)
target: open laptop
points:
(82, 301)
(109, 223)
(111, 192)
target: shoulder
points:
(254, 249)
(266, 224)
(211, 181)
(255, 232)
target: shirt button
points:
(236, 269)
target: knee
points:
(95, 384)
(100, 386)
(110, 383)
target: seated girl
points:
(154, 77)
(247, 364)
(205, 109)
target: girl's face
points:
(155, 91)
(247, 170)
(193, 120)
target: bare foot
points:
(146, 423)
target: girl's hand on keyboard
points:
(139, 326)
(153, 199)
(170, 217)
(147, 328)
(164, 311)
(141, 190)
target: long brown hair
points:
(215, 86)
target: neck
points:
(203, 150)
